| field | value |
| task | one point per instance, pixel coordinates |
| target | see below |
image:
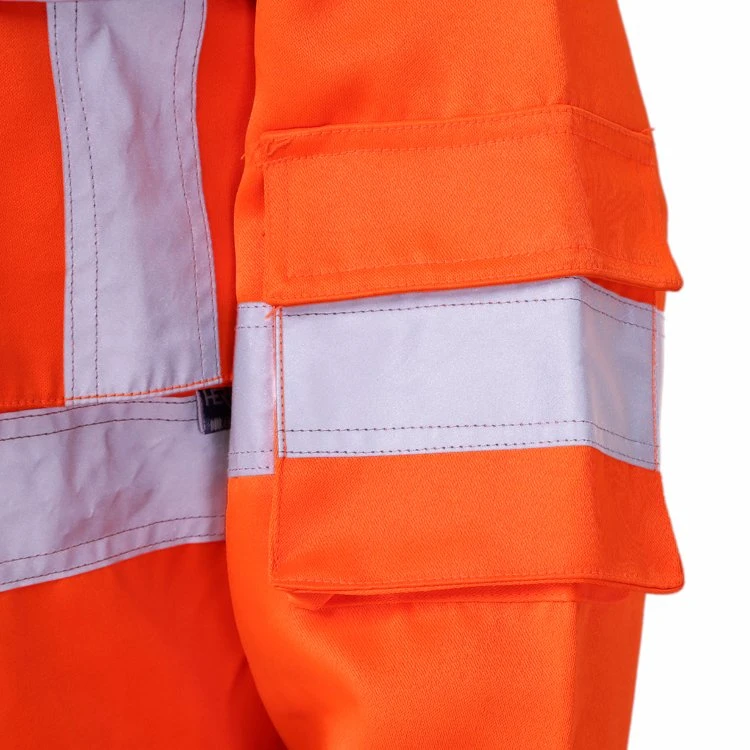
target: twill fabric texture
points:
(332, 341)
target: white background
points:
(693, 62)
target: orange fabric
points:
(32, 228)
(484, 600)
(141, 654)
(516, 667)
(466, 519)
(511, 135)
(32, 211)
(462, 599)
(224, 98)
(352, 211)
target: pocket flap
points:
(376, 209)
(410, 523)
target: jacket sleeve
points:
(447, 145)
(452, 235)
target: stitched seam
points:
(573, 678)
(454, 146)
(178, 387)
(198, 181)
(264, 325)
(654, 415)
(437, 597)
(481, 577)
(469, 122)
(204, 215)
(69, 409)
(471, 426)
(112, 557)
(248, 468)
(438, 448)
(109, 536)
(69, 200)
(589, 265)
(178, 145)
(642, 306)
(473, 304)
(93, 197)
(239, 453)
(272, 161)
(280, 429)
(94, 424)
(41, 402)
(281, 379)
(452, 261)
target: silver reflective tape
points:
(140, 308)
(251, 445)
(553, 363)
(88, 486)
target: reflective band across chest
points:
(92, 485)
(555, 363)
(140, 307)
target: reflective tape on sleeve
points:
(554, 363)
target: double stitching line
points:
(94, 424)
(110, 536)
(44, 413)
(405, 428)
(204, 216)
(95, 220)
(68, 197)
(500, 444)
(497, 303)
(184, 186)
(51, 573)
(472, 446)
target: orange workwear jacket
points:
(414, 254)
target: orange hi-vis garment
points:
(416, 254)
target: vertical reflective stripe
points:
(90, 485)
(251, 445)
(140, 290)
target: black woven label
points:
(214, 409)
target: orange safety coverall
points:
(425, 243)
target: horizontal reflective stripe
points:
(140, 307)
(554, 363)
(551, 363)
(88, 486)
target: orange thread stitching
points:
(271, 161)
(479, 578)
(468, 278)
(179, 387)
(113, 557)
(109, 536)
(647, 140)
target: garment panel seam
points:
(110, 536)
(48, 574)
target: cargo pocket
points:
(465, 332)
(458, 440)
